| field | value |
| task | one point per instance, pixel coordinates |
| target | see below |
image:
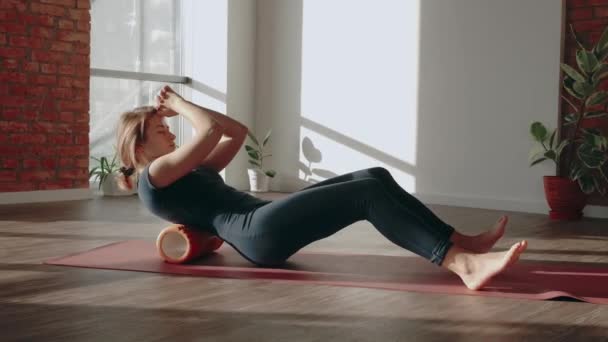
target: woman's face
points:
(159, 140)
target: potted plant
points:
(580, 154)
(259, 177)
(106, 172)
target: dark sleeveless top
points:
(195, 198)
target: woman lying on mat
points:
(182, 185)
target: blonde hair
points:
(131, 132)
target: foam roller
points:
(178, 244)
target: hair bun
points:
(127, 171)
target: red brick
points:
(49, 163)
(42, 127)
(13, 126)
(31, 163)
(10, 64)
(42, 32)
(82, 139)
(2, 39)
(79, 60)
(80, 14)
(82, 83)
(66, 162)
(13, 28)
(18, 90)
(40, 150)
(580, 13)
(35, 175)
(11, 150)
(22, 41)
(70, 36)
(43, 79)
(48, 68)
(10, 114)
(597, 2)
(82, 162)
(13, 101)
(37, 90)
(60, 139)
(73, 174)
(66, 24)
(10, 163)
(19, 139)
(73, 151)
(8, 15)
(62, 93)
(600, 12)
(57, 11)
(66, 116)
(37, 20)
(49, 116)
(66, 3)
(57, 184)
(84, 4)
(82, 117)
(17, 187)
(11, 52)
(30, 66)
(66, 69)
(74, 105)
(13, 77)
(3, 88)
(45, 56)
(589, 25)
(18, 5)
(83, 26)
(82, 48)
(8, 175)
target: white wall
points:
(240, 99)
(439, 92)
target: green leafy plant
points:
(256, 153)
(585, 148)
(103, 169)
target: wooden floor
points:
(52, 303)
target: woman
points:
(182, 185)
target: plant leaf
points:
(552, 138)
(254, 155)
(583, 88)
(271, 173)
(255, 163)
(540, 160)
(249, 148)
(602, 45)
(568, 85)
(587, 62)
(586, 184)
(597, 98)
(591, 157)
(538, 131)
(266, 138)
(253, 138)
(600, 73)
(550, 154)
(596, 114)
(575, 75)
(570, 119)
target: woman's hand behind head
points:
(168, 99)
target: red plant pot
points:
(565, 198)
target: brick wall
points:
(44, 94)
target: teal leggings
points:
(268, 235)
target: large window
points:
(135, 50)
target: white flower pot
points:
(258, 180)
(110, 185)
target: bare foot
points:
(477, 269)
(483, 242)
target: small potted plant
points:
(106, 172)
(580, 154)
(259, 177)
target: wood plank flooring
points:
(52, 303)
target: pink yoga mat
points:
(539, 280)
